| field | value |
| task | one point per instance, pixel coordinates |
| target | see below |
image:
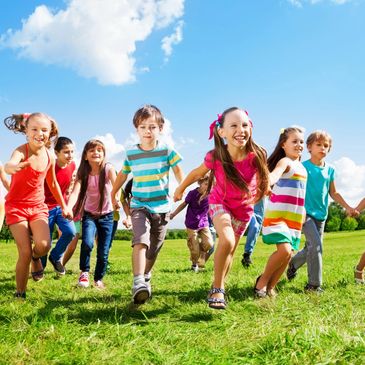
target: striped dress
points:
(285, 210)
(150, 169)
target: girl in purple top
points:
(91, 193)
(240, 171)
(199, 239)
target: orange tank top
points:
(27, 185)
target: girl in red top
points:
(26, 213)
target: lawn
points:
(62, 324)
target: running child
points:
(285, 212)
(200, 240)
(26, 213)
(150, 162)
(238, 165)
(320, 185)
(91, 198)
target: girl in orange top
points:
(26, 213)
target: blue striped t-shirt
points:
(150, 169)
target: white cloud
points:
(172, 40)
(350, 180)
(96, 38)
(300, 3)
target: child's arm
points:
(280, 168)
(337, 197)
(16, 162)
(3, 178)
(127, 221)
(115, 193)
(178, 172)
(191, 178)
(56, 190)
(178, 210)
(361, 205)
(74, 195)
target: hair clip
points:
(282, 130)
(215, 123)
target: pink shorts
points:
(238, 226)
(15, 214)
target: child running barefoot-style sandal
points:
(259, 293)
(216, 303)
(37, 275)
(358, 276)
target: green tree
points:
(333, 224)
(349, 224)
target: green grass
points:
(62, 324)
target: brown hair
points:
(83, 176)
(146, 112)
(278, 152)
(319, 136)
(221, 154)
(18, 123)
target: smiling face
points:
(95, 154)
(236, 129)
(66, 155)
(293, 146)
(148, 132)
(37, 130)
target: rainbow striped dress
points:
(285, 210)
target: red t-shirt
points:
(64, 177)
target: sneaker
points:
(246, 260)
(291, 273)
(195, 268)
(99, 284)
(83, 279)
(313, 289)
(58, 267)
(141, 292)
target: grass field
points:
(62, 324)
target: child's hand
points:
(116, 203)
(352, 212)
(16, 168)
(172, 215)
(127, 222)
(67, 213)
(178, 195)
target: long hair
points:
(83, 176)
(278, 152)
(18, 123)
(221, 154)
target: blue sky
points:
(91, 63)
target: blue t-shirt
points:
(150, 169)
(318, 187)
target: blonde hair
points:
(18, 123)
(319, 135)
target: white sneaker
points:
(99, 285)
(195, 268)
(84, 279)
(141, 292)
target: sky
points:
(91, 64)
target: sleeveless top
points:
(285, 211)
(27, 185)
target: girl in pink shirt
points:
(241, 179)
(91, 194)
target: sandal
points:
(358, 280)
(37, 275)
(259, 293)
(212, 302)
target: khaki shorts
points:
(149, 229)
(199, 241)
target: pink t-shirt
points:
(226, 193)
(93, 195)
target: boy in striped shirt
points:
(149, 162)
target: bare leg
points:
(21, 234)
(70, 250)
(277, 275)
(139, 259)
(360, 267)
(2, 214)
(227, 245)
(276, 263)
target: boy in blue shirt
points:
(149, 163)
(320, 185)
